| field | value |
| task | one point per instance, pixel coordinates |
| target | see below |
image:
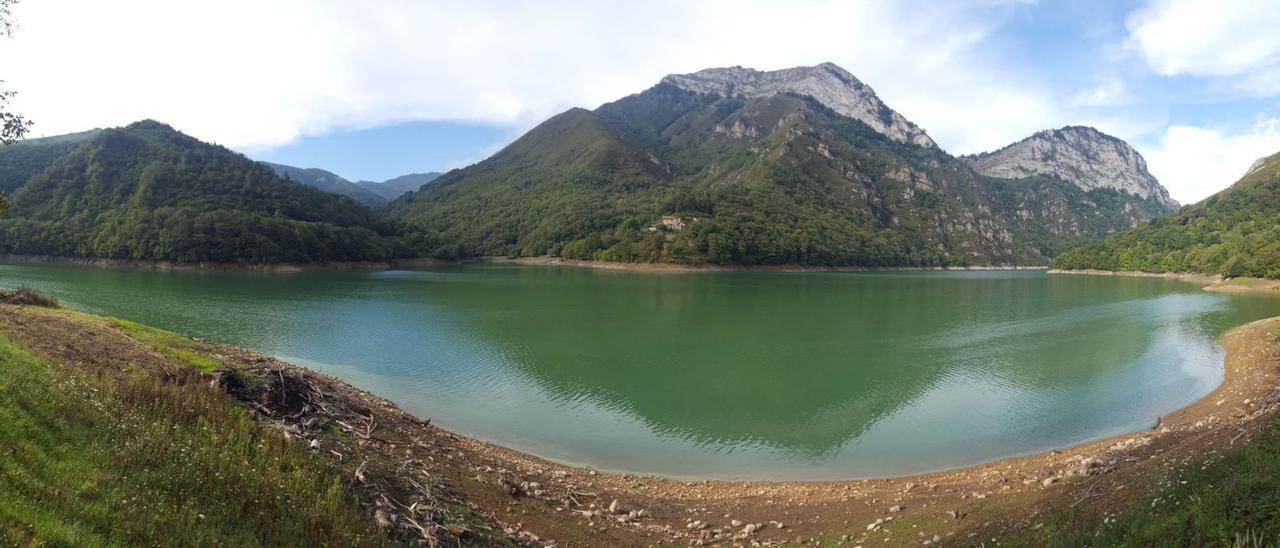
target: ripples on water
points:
(732, 375)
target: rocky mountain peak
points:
(829, 84)
(1083, 156)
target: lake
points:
(718, 375)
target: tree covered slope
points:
(148, 192)
(1235, 232)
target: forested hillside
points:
(148, 192)
(751, 180)
(1235, 232)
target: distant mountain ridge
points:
(1083, 156)
(395, 187)
(369, 193)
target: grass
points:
(170, 345)
(132, 457)
(1231, 501)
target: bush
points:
(28, 296)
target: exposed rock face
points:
(1257, 164)
(1082, 156)
(829, 84)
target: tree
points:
(12, 126)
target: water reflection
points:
(726, 375)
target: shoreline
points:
(541, 499)
(1211, 282)
(1008, 493)
(427, 263)
(684, 268)
(1005, 494)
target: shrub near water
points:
(26, 295)
(126, 458)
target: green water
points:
(725, 375)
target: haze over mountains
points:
(370, 193)
(802, 166)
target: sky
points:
(371, 90)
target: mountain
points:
(329, 182)
(829, 84)
(147, 191)
(1080, 155)
(393, 188)
(370, 193)
(1235, 232)
(1067, 185)
(736, 166)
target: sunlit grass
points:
(131, 458)
(171, 345)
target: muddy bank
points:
(1211, 282)
(684, 268)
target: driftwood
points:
(299, 404)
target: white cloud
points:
(1110, 93)
(256, 74)
(1195, 162)
(1211, 38)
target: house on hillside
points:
(672, 222)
